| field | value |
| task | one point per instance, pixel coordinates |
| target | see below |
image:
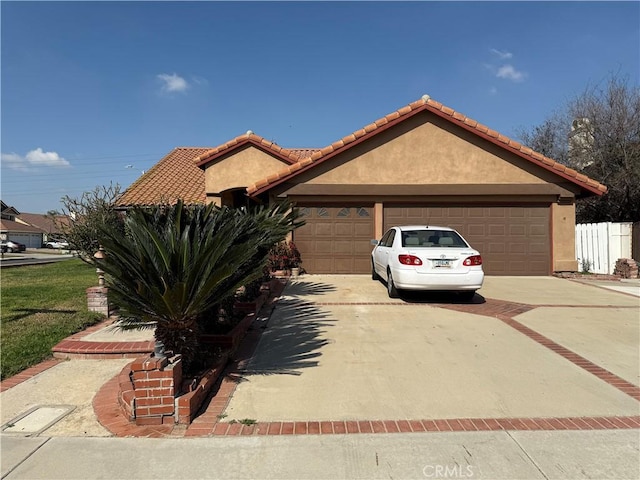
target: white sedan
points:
(426, 258)
(58, 244)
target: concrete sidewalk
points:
(481, 455)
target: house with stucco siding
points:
(424, 163)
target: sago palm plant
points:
(175, 263)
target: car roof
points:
(404, 228)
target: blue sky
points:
(91, 87)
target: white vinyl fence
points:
(599, 245)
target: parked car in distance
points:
(59, 244)
(10, 246)
(426, 258)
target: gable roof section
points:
(9, 210)
(180, 174)
(43, 222)
(9, 226)
(175, 176)
(426, 104)
(250, 138)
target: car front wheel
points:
(391, 287)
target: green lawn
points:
(41, 305)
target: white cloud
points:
(172, 83)
(35, 158)
(49, 159)
(502, 55)
(510, 73)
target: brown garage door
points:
(512, 240)
(335, 239)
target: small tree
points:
(176, 263)
(598, 133)
(89, 214)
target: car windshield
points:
(432, 238)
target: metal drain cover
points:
(37, 419)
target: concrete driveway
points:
(337, 348)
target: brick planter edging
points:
(189, 404)
(146, 385)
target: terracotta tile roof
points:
(11, 226)
(175, 176)
(426, 104)
(250, 138)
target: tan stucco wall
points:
(241, 169)
(563, 244)
(424, 150)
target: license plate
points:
(442, 263)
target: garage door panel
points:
(321, 264)
(343, 265)
(361, 264)
(455, 213)
(517, 230)
(322, 246)
(496, 248)
(520, 248)
(323, 229)
(335, 239)
(475, 230)
(362, 230)
(512, 240)
(538, 230)
(497, 230)
(343, 247)
(343, 229)
(477, 213)
(539, 248)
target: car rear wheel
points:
(467, 296)
(391, 287)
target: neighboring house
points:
(422, 164)
(32, 229)
(48, 225)
(12, 229)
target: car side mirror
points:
(374, 242)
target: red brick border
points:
(75, 347)
(410, 426)
(27, 374)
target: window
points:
(390, 238)
(362, 212)
(322, 212)
(305, 211)
(432, 238)
(384, 238)
(345, 212)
